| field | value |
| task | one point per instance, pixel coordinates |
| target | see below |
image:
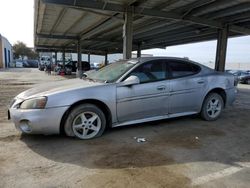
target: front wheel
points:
(85, 121)
(212, 107)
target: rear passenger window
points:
(181, 69)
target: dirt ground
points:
(183, 152)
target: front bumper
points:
(38, 121)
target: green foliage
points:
(21, 50)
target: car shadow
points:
(182, 140)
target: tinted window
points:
(150, 72)
(180, 69)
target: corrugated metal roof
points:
(159, 23)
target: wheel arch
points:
(219, 91)
(96, 102)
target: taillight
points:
(236, 80)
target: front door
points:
(147, 99)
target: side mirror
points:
(132, 80)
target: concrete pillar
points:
(106, 59)
(139, 50)
(79, 59)
(89, 57)
(128, 34)
(221, 51)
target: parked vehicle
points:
(85, 65)
(19, 64)
(44, 60)
(30, 63)
(96, 65)
(127, 92)
(245, 79)
(237, 73)
(71, 66)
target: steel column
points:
(79, 59)
(89, 57)
(127, 35)
(139, 50)
(63, 58)
(106, 59)
(55, 57)
(221, 51)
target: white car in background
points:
(96, 65)
(19, 64)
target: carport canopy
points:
(109, 26)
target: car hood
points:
(56, 87)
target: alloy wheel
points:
(214, 107)
(86, 125)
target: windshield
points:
(112, 72)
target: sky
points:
(17, 24)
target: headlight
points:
(35, 103)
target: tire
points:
(212, 107)
(248, 81)
(85, 121)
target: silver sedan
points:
(123, 93)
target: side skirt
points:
(168, 116)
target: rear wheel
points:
(212, 107)
(85, 121)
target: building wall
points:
(6, 53)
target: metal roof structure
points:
(98, 24)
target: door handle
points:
(201, 81)
(161, 88)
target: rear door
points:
(186, 87)
(147, 99)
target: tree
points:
(21, 50)
(32, 54)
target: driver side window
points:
(150, 72)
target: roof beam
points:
(173, 33)
(73, 49)
(192, 6)
(238, 29)
(192, 40)
(100, 5)
(89, 32)
(230, 11)
(119, 18)
(183, 35)
(240, 17)
(58, 20)
(74, 24)
(56, 36)
(214, 6)
(113, 49)
(161, 30)
(63, 37)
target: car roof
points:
(143, 59)
(184, 60)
